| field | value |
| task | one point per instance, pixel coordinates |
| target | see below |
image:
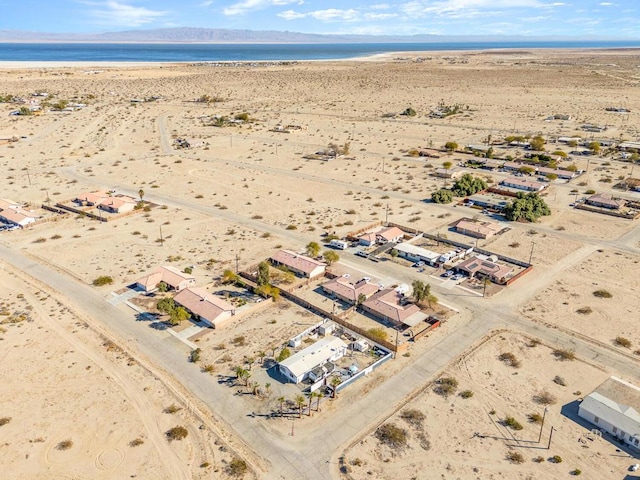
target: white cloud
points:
(246, 6)
(328, 15)
(606, 4)
(291, 15)
(120, 14)
(207, 3)
(380, 6)
(473, 8)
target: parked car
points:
(457, 276)
(360, 253)
(418, 264)
(448, 273)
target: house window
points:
(596, 419)
(615, 429)
(635, 442)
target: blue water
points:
(91, 52)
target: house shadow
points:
(159, 325)
(147, 317)
(274, 373)
(570, 411)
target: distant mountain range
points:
(220, 35)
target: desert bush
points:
(391, 435)
(102, 280)
(4, 421)
(622, 342)
(239, 341)
(584, 310)
(237, 468)
(538, 459)
(413, 417)
(194, 356)
(176, 433)
(559, 380)
(64, 445)
(555, 459)
(173, 408)
(535, 418)
(136, 442)
(446, 386)
(576, 472)
(544, 398)
(515, 457)
(509, 359)
(466, 394)
(208, 368)
(602, 294)
(512, 423)
(561, 354)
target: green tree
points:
(163, 287)
(263, 273)
(526, 207)
(141, 194)
(335, 381)
(178, 315)
(313, 249)
(527, 170)
(537, 143)
(451, 146)
(283, 355)
(431, 300)
(468, 185)
(551, 176)
(330, 257)
(229, 276)
(594, 147)
(442, 196)
(300, 401)
(447, 165)
(166, 305)
(377, 334)
(572, 167)
(26, 111)
(281, 401)
(361, 299)
(420, 291)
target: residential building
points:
(629, 146)
(119, 204)
(299, 365)
(613, 407)
(604, 200)
(90, 199)
(522, 184)
(343, 289)
(174, 278)
(392, 306)
(564, 174)
(299, 264)
(481, 266)
(14, 214)
(389, 234)
(451, 173)
(512, 166)
(367, 239)
(476, 229)
(416, 254)
(492, 202)
(205, 306)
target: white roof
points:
(418, 251)
(609, 402)
(313, 356)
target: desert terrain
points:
(240, 192)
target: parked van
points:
(339, 244)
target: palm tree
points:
(335, 381)
(319, 396)
(300, 401)
(141, 194)
(267, 388)
(261, 355)
(250, 361)
(239, 371)
(312, 395)
(281, 401)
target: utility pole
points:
(544, 414)
(231, 141)
(28, 176)
(48, 199)
(550, 435)
(386, 215)
(161, 239)
(237, 258)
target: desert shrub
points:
(4, 421)
(561, 354)
(237, 468)
(511, 422)
(205, 465)
(509, 359)
(555, 459)
(392, 436)
(515, 457)
(446, 386)
(584, 310)
(102, 280)
(283, 355)
(208, 368)
(576, 472)
(622, 342)
(173, 408)
(466, 394)
(64, 445)
(514, 244)
(177, 433)
(239, 341)
(413, 417)
(377, 334)
(136, 442)
(194, 356)
(538, 459)
(535, 418)
(534, 342)
(544, 398)
(602, 294)
(559, 380)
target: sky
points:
(615, 18)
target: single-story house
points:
(367, 239)
(452, 173)
(522, 184)
(564, 174)
(173, 277)
(392, 306)
(298, 366)
(476, 229)
(512, 166)
(604, 200)
(14, 214)
(492, 164)
(629, 146)
(119, 204)
(207, 307)
(481, 266)
(487, 201)
(299, 264)
(342, 288)
(416, 254)
(90, 199)
(613, 407)
(389, 234)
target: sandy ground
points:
(247, 190)
(478, 444)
